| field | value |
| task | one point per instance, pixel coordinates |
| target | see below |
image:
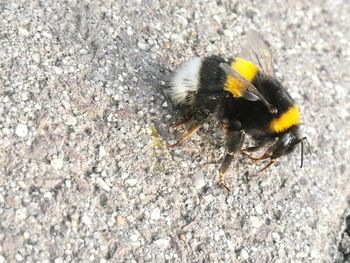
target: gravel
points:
(85, 171)
(21, 130)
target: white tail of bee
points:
(185, 82)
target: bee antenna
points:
(301, 141)
(302, 153)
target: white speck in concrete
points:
(57, 163)
(22, 31)
(163, 243)
(155, 214)
(85, 219)
(255, 222)
(258, 209)
(131, 181)
(102, 184)
(199, 179)
(101, 152)
(244, 254)
(21, 130)
(276, 236)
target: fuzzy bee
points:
(245, 97)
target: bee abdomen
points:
(186, 82)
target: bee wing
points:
(251, 92)
(256, 50)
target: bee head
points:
(287, 142)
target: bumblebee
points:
(246, 99)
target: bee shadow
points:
(154, 76)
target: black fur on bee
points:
(245, 97)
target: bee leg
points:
(263, 157)
(234, 142)
(223, 169)
(251, 149)
(190, 130)
(267, 166)
(185, 120)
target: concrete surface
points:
(85, 172)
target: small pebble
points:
(36, 57)
(5, 131)
(120, 220)
(101, 152)
(19, 257)
(22, 31)
(68, 183)
(255, 222)
(208, 198)
(57, 163)
(26, 235)
(258, 209)
(155, 214)
(21, 213)
(58, 70)
(21, 130)
(134, 237)
(231, 245)
(276, 236)
(163, 243)
(71, 121)
(129, 32)
(131, 182)
(244, 254)
(85, 219)
(102, 184)
(142, 45)
(199, 179)
(301, 255)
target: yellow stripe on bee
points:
(246, 69)
(285, 121)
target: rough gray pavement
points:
(86, 175)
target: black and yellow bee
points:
(246, 99)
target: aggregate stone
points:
(85, 171)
